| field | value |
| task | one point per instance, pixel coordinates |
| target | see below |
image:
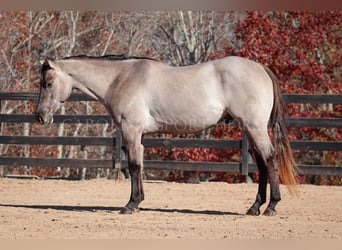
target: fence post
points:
(245, 155)
(117, 151)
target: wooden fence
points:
(119, 162)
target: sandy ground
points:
(52, 209)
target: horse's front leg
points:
(135, 150)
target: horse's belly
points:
(185, 121)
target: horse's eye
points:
(48, 84)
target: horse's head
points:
(55, 88)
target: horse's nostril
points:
(40, 118)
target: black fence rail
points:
(244, 167)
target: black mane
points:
(109, 57)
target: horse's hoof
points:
(269, 212)
(253, 211)
(126, 210)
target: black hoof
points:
(126, 210)
(253, 211)
(269, 212)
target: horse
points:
(146, 96)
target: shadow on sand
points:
(113, 209)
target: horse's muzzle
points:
(44, 118)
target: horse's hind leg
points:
(262, 188)
(132, 137)
(273, 172)
(267, 165)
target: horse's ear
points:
(54, 65)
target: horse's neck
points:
(89, 81)
(86, 91)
